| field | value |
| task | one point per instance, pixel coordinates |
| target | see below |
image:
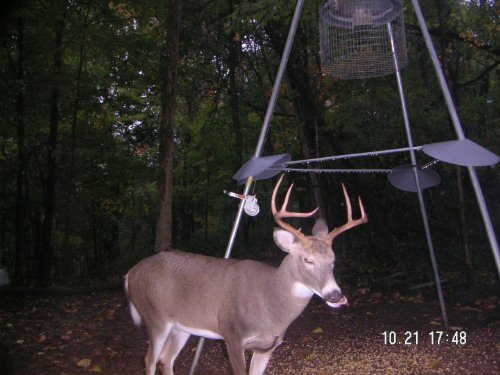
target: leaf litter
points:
(94, 334)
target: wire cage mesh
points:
(362, 38)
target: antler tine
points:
(287, 197)
(347, 203)
(273, 197)
(350, 222)
(283, 213)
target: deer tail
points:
(136, 317)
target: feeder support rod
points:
(279, 78)
(260, 146)
(350, 156)
(421, 200)
(460, 134)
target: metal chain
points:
(327, 170)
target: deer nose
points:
(334, 296)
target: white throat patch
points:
(299, 290)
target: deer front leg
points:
(236, 353)
(174, 344)
(259, 362)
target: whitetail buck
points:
(246, 303)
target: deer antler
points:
(350, 222)
(283, 213)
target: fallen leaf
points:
(467, 308)
(318, 330)
(490, 306)
(84, 362)
(95, 368)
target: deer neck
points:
(286, 290)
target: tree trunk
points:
(44, 255)
(20, 245)
(163, 238)
(207, 194)
(443, 15)
(469, 271)
(67, 269)
(234, 101)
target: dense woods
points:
(95, 95)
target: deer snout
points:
(335, 299)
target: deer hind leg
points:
(157, 340)
(174, 344)
(236, 353)
(259, 362)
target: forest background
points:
(97, 95)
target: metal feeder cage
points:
(362, 38)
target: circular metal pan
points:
(462, 152)
(403, 178)
(258, 167)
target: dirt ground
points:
(93, 333)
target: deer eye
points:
(308, 261)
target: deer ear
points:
(320, 229)
(285, 240)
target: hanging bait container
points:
(355, 38)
